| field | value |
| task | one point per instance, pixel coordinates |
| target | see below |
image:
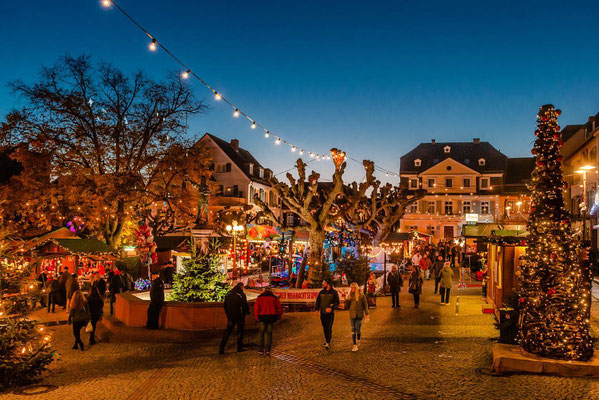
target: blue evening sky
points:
(373, 78)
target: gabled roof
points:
(165, 243)
(240, 157)
(569, 130)
(467, 153)
(80, 246)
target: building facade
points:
(466, 183)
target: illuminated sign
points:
(471, 217)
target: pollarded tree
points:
(105, 135)
(381, 210)
(555, 294)
(318, 204)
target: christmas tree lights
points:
(554, 287)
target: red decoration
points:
(560, 143)
(551, 292)
(522, 300)
(544, 117)
(558, 112)
(533, 151)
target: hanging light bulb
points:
(185, 74)
(236, 113)
(106, 3)
(311, 155)
(267, 134)
(217, 96)
(278, 141)
(253, 124)
(293, 148)
(153, 45)
(301, 152)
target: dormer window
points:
(417, 162)
(481, 161)
(251, 168)
(261, 172)
(446, 149)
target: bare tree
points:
(318, 204)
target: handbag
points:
(89, 328)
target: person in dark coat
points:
(100, 283)
(416, 282)
(236, 308)
(115, 286)
(326, 303)
(78, 316)
(95, 302)
(267, 311)
(156, 302)
(42, 279)
(61, 294)
(52, 288)
(395, 282)
(436, 270)
(72, 287)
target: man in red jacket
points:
(267, 311)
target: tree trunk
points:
(315, 266)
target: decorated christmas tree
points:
(24, 345)
(554, 290)
(201, 281)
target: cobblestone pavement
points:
(436, 352)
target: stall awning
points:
(484, 230)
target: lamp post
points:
(234, 229)
(583, 207)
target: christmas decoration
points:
(24, 345)
(554, 286)
(146, 248)
(201, 281)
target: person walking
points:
(78, 316)
(357, 305)
(416, 258)
(95, 302)
(267, 311)
(61, 294)
(446, 276)
(425, 266)
(52, 288)
(156, 302)
(115, 286)
(326, 303)
(72, 287)
(236, 308)
(100, 283)
(436, 270)
(371, 287)
(395, 281)
(416, 281)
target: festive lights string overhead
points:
(154, 45)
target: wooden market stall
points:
(80, 256)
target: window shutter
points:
(228, 167)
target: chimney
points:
(433, 141)
(235, 144)
(476, 140)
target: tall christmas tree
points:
(554, 291)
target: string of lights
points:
(187, 72)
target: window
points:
(413, 208)
(414, 228)
(466, 207)
(417, 162)
(251, 169)
(484, 207)
(448, 182)
(271, 198)
(446, 149)
(481, 161)
(448, 207)
(431, 207)
(467, 161)
(228, 167)
(261, 172)
(262, 194)
(466, 182)
(413, 183)
(220, 168)
(290, 219)
(484, 183)
(431, 182)
(430, 230)
(235, 190)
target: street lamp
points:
(234, 229)
(583, 208)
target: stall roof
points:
(164, 243)
(484, 230)
(80, 246)
(401, 236)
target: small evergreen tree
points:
(356, 269)
(202, 280)
(24, 345)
